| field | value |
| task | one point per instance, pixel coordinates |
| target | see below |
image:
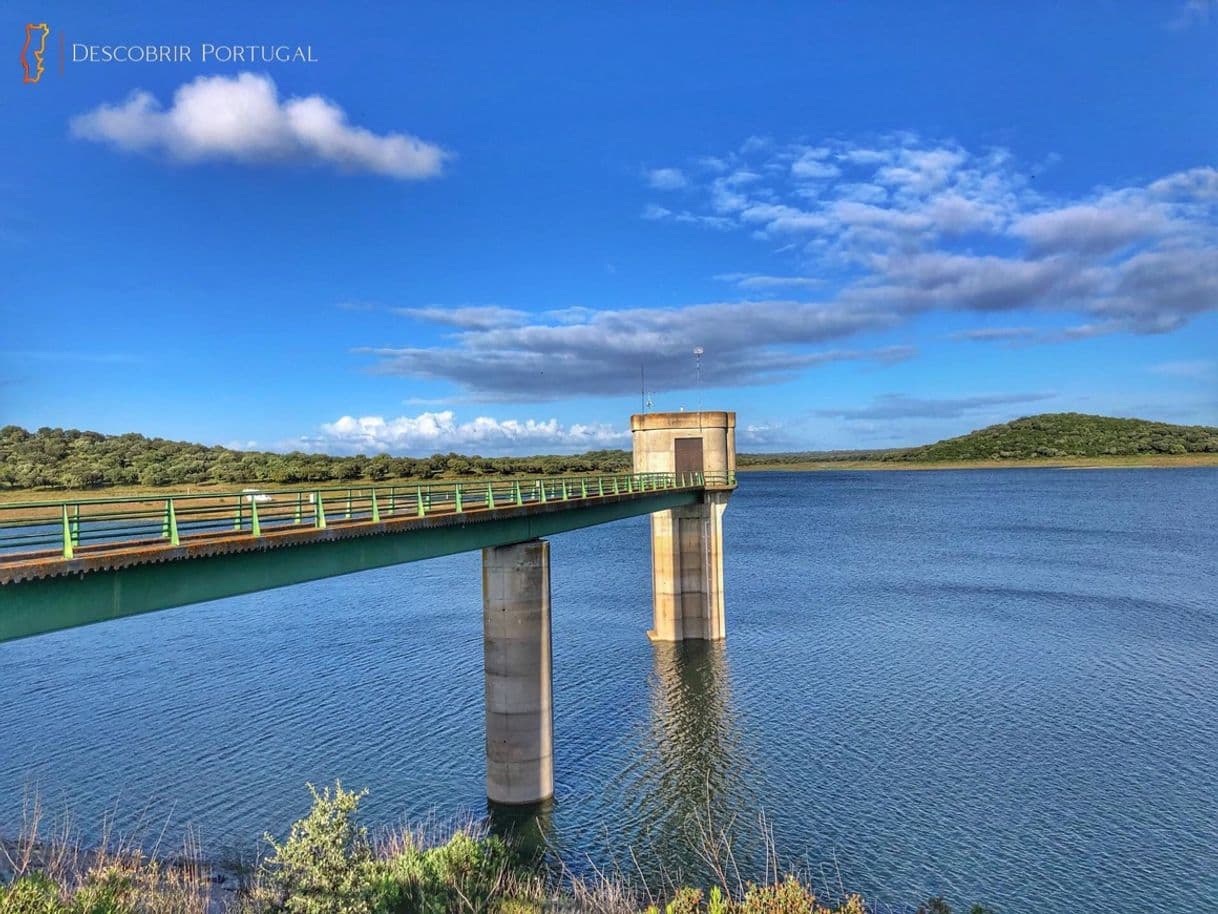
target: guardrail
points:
(49, 529)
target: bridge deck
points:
(71, 563)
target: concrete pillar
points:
(687, 543)
(516, 655)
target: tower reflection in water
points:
(685, 776)
(689, 782)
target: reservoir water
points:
(1001, 686)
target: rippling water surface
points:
(1000, 686)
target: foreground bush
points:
(329, 864)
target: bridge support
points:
(687, 543)
(516, 655)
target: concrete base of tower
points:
(687, 572)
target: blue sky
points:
(466, 226)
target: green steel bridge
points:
(70, 563)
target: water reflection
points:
(527, 829)
(690, 778)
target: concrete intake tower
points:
(687, 542)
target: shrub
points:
(34, 893)
(463, 875)
(325, 865)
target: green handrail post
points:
(418, 494)
(542, 487)
(600, 486)
(67, 534)
(616, 491)
(76, 526)
(239, 522)
(490, 495)
(299, 508)
(348, 516)
(457, 497)
(566, 495)
(583, 488)
(517, 493)
(255, 527)
(376, 511)
(319, 511)
(171, 516)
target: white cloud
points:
(242, 118)
(560, 354)
(430, 432)
(996, 334)
(1090, 227)
(812, 165)
(909, 226)
(666, 178)
(760, 281)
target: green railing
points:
(63, 529)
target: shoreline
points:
(1133, 462)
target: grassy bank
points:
(329, 864)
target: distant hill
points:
(1069, 435)
(1044, 436)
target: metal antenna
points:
(698, 350)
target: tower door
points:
(688, 455)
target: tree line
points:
(69, 458)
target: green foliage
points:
(462, 875)
(328, 866)
(67, 458)
(1070, 435)
(325, 866)
(789, 896)
(106, 890)
(33, 893)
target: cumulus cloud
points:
(432, 432)
(578, 351)
(666, 178)
(908, 226)
(893, 230)
(242, 118)
(1091, 228)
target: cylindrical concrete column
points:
(516, 654)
